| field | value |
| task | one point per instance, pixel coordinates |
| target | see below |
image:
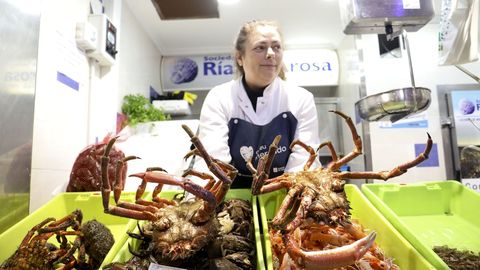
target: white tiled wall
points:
(394, 146)
(67, 120)
(143, 59)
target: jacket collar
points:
(242, 93)
(244, 101)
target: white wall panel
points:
(139, 59)
(67, 119)
(393, 146)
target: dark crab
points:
(176, 229)
(232, 248)
(35, 252)
(317, 196)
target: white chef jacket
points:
(230, 100)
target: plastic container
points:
(389, 240)
(14, 208)
(124, 254)
(63, 204)
(430, 214)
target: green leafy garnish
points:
(138, 109)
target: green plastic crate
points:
(124, 254)
(14, 208)
(430, 214)
(63, 204)
(389, 240)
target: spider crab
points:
(86, 170)
(92, 239)
(317, 197)
(176, 229)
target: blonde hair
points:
(242, 37)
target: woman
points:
(239, 119)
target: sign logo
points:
(184, 70)
(312, 67)
(218, 65)
(466, 106)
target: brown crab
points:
(35, 252)
(86, 170)
(317, 195)
(177, 229)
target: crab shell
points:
(86, 170)
(175, 238)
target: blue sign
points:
(432, 160)
(466, 112)
(196, 72)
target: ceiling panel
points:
(186, 9)
(305, 24)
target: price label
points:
(473, 183)
(154, 266)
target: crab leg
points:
(356, 140)
(119, 176)
(281, 217)
(156, 201)
(264, 165)
(276, 184)
(311, 158)
(306, 201)
(201, 175)
(333, 153)
(331, 258)
(225, 166)
(32, 231)
(334, 239)
(214, 166)
(357, 232)
(187, 185)
(67, 257)
(72, 220)
(106, 189)
(399, 170)
(123, 209)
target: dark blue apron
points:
(249, 140)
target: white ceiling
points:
(305, 23)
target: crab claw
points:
(263, 167)
(330, 258)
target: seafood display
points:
(330, 240)
(232, 248)
(92, 243)
(175, 230)
(470, 162)
(312, 228)
(86, 170)
(458, 259)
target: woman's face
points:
(262, 60)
